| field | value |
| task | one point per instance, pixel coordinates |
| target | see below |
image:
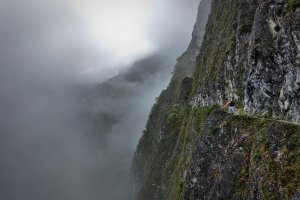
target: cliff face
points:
(191, 149)
(241, 157)
(151, 178)
(251, 54)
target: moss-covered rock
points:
(245, 158)
(292, 5)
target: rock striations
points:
(249, 51)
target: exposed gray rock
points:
(272, 77)
(262, 71)
(250, 52)
(243, 158)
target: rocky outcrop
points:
(251, 54)
(272, 81)
(244, 158)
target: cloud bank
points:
(49, 54)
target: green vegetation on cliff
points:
(160, 137)
(246, 158)
(178, 141)
(219, 41)
(257, 147)
(200, 151)
(293, 4)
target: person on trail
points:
(230, 105)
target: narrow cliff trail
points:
(270, 119)
(206, 153)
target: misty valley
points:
(149, 99)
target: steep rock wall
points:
(250, 53)
(241, 157)
(193, 150)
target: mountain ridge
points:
(191, 148)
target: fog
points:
(51, 67)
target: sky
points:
(50, 51)
(133, 28)
(95, 38)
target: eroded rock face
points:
(260, 63)
(244, 158)
(272, 78)
(250, 53)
